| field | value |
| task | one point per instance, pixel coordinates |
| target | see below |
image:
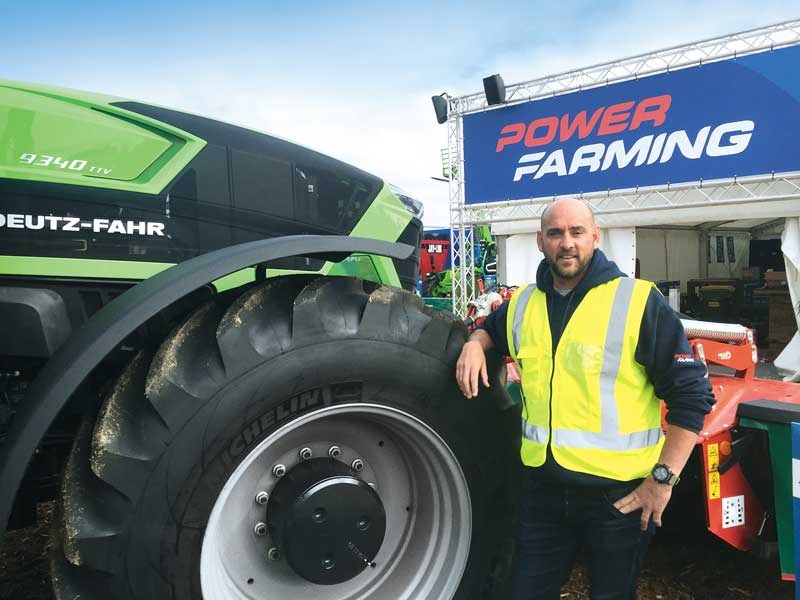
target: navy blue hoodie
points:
(662, 350)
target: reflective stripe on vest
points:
(609, 438)
(534, 433)
(519, 313)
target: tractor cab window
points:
(200, 203)
(206, 179)
(331, 200)
(263, 204)
(262, 184)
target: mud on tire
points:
(159, 494)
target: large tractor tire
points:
(305, 440)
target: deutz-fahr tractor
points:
(211, 359)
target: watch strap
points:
(672, 478)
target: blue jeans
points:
(554, 522)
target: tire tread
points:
(113, 460)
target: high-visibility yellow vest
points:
(590, 400)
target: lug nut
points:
(279, 470)
(260, 529)
(334, 451)
(305, 453)
(327, 563)
(319, 515)
(262, 497)
(363, 523)
(274, 554)
(358, 465)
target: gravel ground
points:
(700, 569)
(680, 566)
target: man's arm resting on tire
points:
(472, 363)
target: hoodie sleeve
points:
(495, 326)
(678, 378)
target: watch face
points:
(660, 473)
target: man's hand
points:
(471, 364)
(651, 497)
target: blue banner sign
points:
(720, 120)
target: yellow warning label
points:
(713, 486)
(713, 457)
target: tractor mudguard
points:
(76, 358)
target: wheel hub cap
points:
(327, 523)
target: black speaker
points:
(440, 106)
(495, 89)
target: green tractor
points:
(212, 360)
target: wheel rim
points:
(422, 487)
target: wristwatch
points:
(663, 474)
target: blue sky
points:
(352, 79)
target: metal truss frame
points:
(461, 236)
(697, 194)
(661, 61)
(688, 195)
